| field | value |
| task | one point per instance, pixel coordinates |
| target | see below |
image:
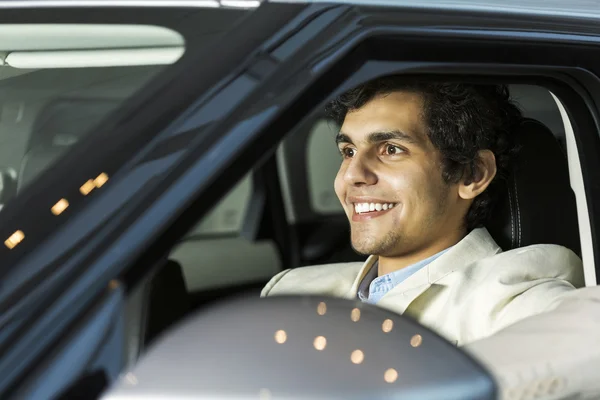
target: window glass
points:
(59, 80)
(214, 254)
(228, 216)
(323, 162)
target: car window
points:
(228, 216)
(214, 254)
(59, 80)
(323, 161)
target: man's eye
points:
(348, 152)
(392, 150)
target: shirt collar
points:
(364, 287)
(370, 282)
(476, 245)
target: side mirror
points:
(294, 347)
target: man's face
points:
(390, 180)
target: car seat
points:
(536, 205)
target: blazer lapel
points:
(399, 298)
(353, 292)
(476, 245)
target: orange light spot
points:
(320, 343)
(59, 207)
(14, 239)
(391, 375)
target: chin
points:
(379, 247)
(360, 251)
(364, 248)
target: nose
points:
(360, 171)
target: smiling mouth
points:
(366, 208)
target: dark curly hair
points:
(462, 119)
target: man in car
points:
(421, 164)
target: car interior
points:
(309, 159)
(218, 258)
(269, 221)
(35, 133)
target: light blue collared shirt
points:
(381, 285)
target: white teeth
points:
(360, 208)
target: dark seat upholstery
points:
(537, 205)
(168, 300)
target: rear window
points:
(59, 81)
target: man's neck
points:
(388, 265)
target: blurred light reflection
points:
(416, 341)
(100, 180)
(387, 326)
(59, 207)
(391, 375)
(322, 308)
(357, 356)
(14, 239)
(320, 343)
(87, 187)
(280, 336)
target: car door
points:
(75, 100)
(161, 160)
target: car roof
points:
(236, 4)
(583, 9)
(573, 8)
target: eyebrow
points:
(376, 137)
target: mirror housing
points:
(303, 347)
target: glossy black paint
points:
(41, 297)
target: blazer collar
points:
(478, 244)
(353, 292)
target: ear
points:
(485, 171)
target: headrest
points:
(35, 162)
(8, 184)
(64, 121)
(536, 204)
(58, 126)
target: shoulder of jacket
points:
(551, 255)
(539, 261)
(299, 276)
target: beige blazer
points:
(550, 356)
(466, 294)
